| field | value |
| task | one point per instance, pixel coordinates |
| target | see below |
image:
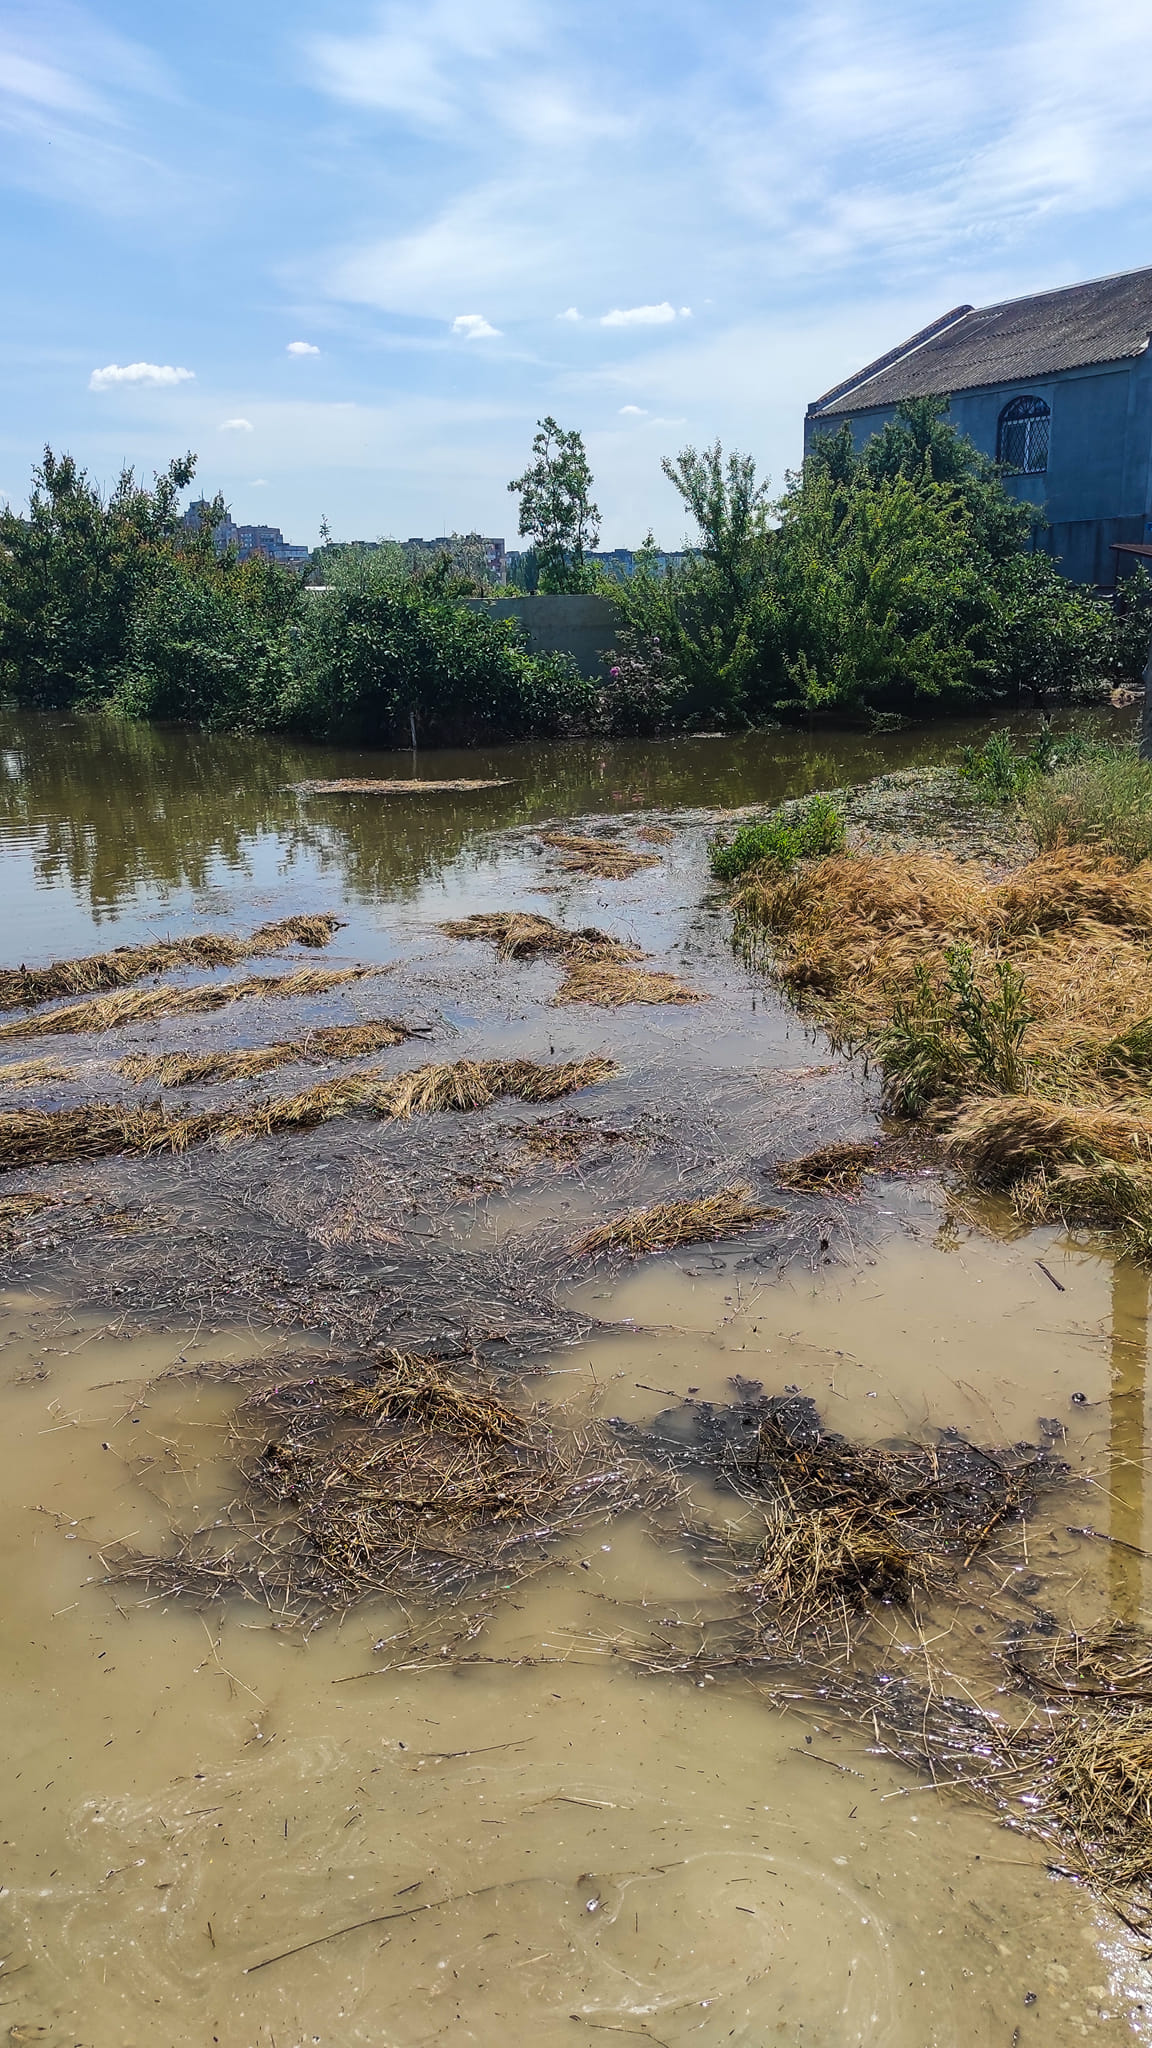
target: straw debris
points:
(610, 984)
(26, 1073)
(95, 1130)
(607, 858)
(406, 1474)
(523, 935)
(29, 985)
(335, 1042)
(833, 1169)
(674, 1223)
(144, 1006)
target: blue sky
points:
(382, 238)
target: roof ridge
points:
(1055, 291)
(894, 355)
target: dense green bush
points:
(780, 841)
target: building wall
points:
(1098, 484)
(583, 627)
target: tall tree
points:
(556, 510)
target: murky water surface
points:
(221, 1825)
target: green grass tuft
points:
(780, 841)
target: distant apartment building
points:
(247, 540)
(618, 562)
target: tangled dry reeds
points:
(371, 785)
(403, 1474)
(332, 1042)
(25, 986)
(29, 1073)
(581, 854)
(524, 935)
(708, 1218)
(95, 1130)
(145, 1006)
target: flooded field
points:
(574, 1794)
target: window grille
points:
(1022, 441)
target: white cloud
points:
(474, 327)
(639, 316)
(258, 483)
(572, 313)
(303, 348)
(685, 312)
(638, 410)
(137, 373)
(235, 427)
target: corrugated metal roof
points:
(1105, 321)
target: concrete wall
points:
(580, 626)
(1098, 484)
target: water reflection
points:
(108, 808)
(1129, 1358)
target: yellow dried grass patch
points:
(26, 1073)
(95, 1130)
(583, 855)
(672, 1223)
(143, 1006)
(335, 1042)
(611, 984)
(29, 985)
(1001, 1137)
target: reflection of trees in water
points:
(114, 806)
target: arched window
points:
(1022, 441)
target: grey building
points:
(1058, 388)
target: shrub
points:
(780, 841)
(1102, 797)
(949, 1036)
(644, 691)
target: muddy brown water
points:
(225, 1826)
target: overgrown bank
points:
(902, 580)
(1007, 1004)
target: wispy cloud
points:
(474, 327)
(154, 374)
(637, 410)
(639, 316)
(68, 88)
(236, 427)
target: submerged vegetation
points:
(794, 833)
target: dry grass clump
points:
(29, 985)
(369, 785)
(26, 1073)
(656, 835)
(334, 1042)
(15, 1208)
(402, 1476)
(610, 984)
(999, 1138)
(818, 1563)
(607, 858)
(96, 1130)
(1095, 1788)
(523, 935)
(672, 1223)
(832, 1169)
(143, 1006)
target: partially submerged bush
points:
(781, 841)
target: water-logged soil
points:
(421, 1822)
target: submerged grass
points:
(832, 1169)
(669, 1224)
(144, 1006)
(582, 854)
(610, 984)
(405, 1474)
(96, 1130)
(333, 1042)
(523, 935)
(27, 1073)
(29, 985)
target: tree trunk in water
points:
(1146, 712)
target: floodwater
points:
(416, 1825)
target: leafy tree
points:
(72, 571)
(556, 510)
